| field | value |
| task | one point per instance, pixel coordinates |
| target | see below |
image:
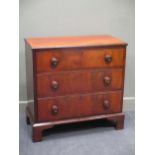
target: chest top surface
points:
(75, 41)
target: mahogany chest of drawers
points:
(74, 79)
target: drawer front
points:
(71, 82)
(79, 58)
(60, 108)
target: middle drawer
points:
(74, 82)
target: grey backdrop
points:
(39, 18)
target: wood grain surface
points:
(79, 58)
(79, 106)
(74, 41)
(74, 82)
(74, 79)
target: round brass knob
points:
(107, 80)
(54, 62)
(55, 109)
(55, 85)
(108, 58)
(106, 104)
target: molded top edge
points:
(74, 41)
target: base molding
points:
(37, 128)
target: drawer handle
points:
(54, 62)
(106, 104)
(55, 109)
(108, 59)
(55, 85)
(107, 80)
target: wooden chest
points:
(74, 79)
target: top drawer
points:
(79, 58)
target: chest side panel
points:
(29, 78)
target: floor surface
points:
(92, 138)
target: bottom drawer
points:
(75, 106)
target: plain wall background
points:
(42, 18)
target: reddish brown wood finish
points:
(74, 82)
(37, 128)
(30, 77)
(78, 58)
(74, 79)
(80, 41)
(79, 106)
